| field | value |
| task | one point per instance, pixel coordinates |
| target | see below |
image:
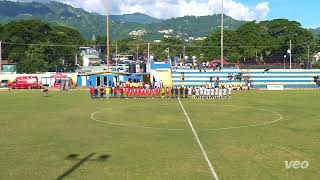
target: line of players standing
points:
(157, 92)
(201, 92)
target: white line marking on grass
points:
(132, 126)
(253, 125)
(218, 129)
(214, 174)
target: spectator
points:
(92, 92)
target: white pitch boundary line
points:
(214, 174)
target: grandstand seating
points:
(259, 78)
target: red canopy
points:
(58, 75)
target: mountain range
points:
(316, 31)
(137, 24)
(90, 24)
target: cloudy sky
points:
(239, 9)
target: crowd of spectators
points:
(202, 67)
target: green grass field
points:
(70, 136)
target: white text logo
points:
(296, 164)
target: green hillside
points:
(120, 25)
(135, 18)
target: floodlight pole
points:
(222, 29)
(290, 54)
(107, 33)
(148, 52)
(137, 53)
(116, 56)
(308, 51)
(184, 52)
(76, 59)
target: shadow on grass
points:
(75, 157)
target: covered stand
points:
(60, 80)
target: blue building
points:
(108, 78)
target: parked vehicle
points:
(25, 82)
(4, 83)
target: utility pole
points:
(184, 52)
(148, 52)
(137, 53)
(290, 54)
(107, 24)
(308, 53)
(256, 56)
(0, 57)
(309, 64)
(116, 56)
(284, 61)
(169, 60)
(222, 29)
(76, 58)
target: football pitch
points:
(248, 137)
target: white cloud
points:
(262, 10)
(175, 8)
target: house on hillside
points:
(137, 33)
(166, 31)
(90, 56)
(200, 38)
(89, 51)
(91, 60)
(317, 56)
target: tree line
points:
(35, 45)
(253, 42)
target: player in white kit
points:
(197, 93)
(220, 93)
(230, 89)
(216, 92)
(201, 92)
(204, 93)
(224, 93)
(212, 93)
